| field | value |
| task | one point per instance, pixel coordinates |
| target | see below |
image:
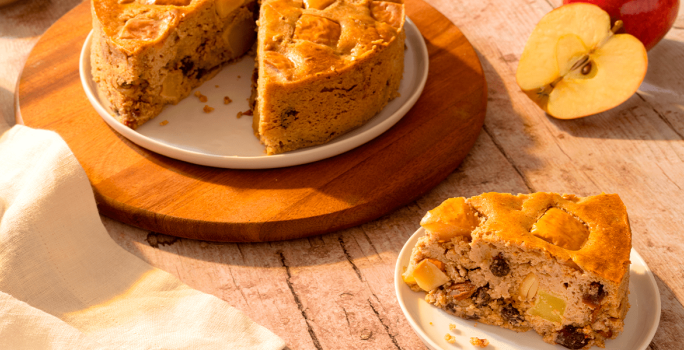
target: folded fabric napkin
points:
(65, 284)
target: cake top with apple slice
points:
(136, 24)
(590, 233)
(574, 64)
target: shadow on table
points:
(655, 112)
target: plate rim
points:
(303, 156)
(410, 243)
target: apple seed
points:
(586, 69)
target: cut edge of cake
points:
(148, 54)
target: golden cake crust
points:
(325, 67)
(606, 249)
(134, 25)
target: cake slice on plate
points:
(557, 264)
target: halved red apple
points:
(574, 64)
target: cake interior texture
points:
(146, 54)
(555, 264)
(323, 67)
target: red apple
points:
(648, 20)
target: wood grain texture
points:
(151, 191)
(633, 150)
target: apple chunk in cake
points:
(557, 264)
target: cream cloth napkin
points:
(65, 284)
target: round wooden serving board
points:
(164, 195)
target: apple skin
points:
(648, 20)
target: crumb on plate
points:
(480, 343)
(452, 326)
(207, 109)
(449, 338)
(164, 122)
(201, 97)
(226, 100)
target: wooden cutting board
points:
(147, 190)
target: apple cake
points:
(557, 264)
(149, 53)
(323, 67)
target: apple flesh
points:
(647, 20)
(574, 65)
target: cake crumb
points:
(207, 109)
(452, 326)
(226, 100)
(248, 112)
(480, 343)
(239, 115)
(430, 323)
(450, 339)
(164, 122)
(201, 97)
(215, 85)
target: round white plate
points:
(220, 139)
(432, 323)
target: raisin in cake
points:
(557, 264)
(149, 53)
(324, 67)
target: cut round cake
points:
(323, 67)
(149, 53)
(557, 264)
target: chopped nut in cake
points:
(557, 264)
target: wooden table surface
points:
(336, 291)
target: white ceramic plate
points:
(431, 323)
(220, 139)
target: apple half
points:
(574, 64)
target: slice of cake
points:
(558, 264)
(149, 53)
(324, 67)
